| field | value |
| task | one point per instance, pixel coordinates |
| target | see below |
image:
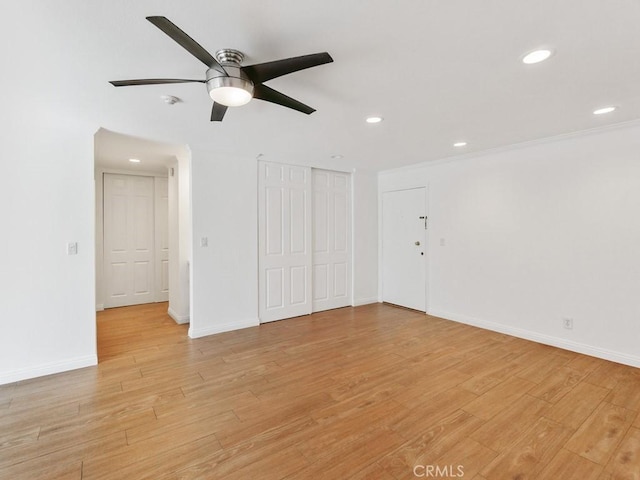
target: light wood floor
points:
(374, 392)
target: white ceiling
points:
(438, 71)
(113, 151)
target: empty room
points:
(301, 240)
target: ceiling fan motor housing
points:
(236, 78)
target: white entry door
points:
(128, 240)
(331, 240)
(284, 241)
(403, 248)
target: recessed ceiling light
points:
(134, 160)
(337, 156)
(460, 144)
(603, 110)
(536, 56)
(374, 119)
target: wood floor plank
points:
(360, 455)
(600, 434)
(557, 384)
(13, 437)
(250, 448)
(624, 462)
(567, 465)
(530, 454)
(38, 470)
(626, 394)
(492, 402)
(366, 392)
(340, 436)
(434, 441)
(467, 456)
(36, 460)
(575, 407)
(542, 367)
(145, 463)
(609, 374)
(371, 472)
(275, 466)
(584, 364)
(210, 421)
(431, 408)
(502, 431)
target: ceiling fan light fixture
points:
(229, 83)
(230, 91)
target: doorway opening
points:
(142, 231)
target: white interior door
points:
(403, 248)
(128, 240)
(331, 240)
(161, 209)
(284, 241)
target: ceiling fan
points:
(230, 84)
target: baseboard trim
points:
(364, 301)
(100, 307)
(179, 319)
(48, 369)
(618, 357)
(224, 327)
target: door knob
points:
(417, 244)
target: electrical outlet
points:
(72, 248)
(567, 323)
(204, 242)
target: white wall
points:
(365, 237)
(179, 239)
(538, 233)
(47, 301)
(225, 210)
(224, 275)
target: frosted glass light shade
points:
(230, 91)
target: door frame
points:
(99, 228)
(427, 249)
(350, 233)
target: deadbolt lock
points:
(417, 244)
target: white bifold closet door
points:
(304, 240)
(331, 240)
(129, 263)
(284, 241)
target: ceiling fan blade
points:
(152, 81)
(267, 94)
(218, 111)
(262, 72)
(186, 42)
